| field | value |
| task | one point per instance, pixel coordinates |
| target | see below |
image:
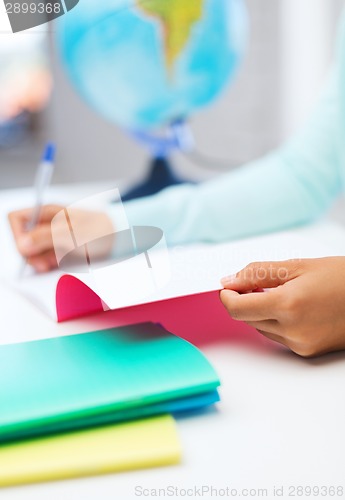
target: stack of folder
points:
(98, 402)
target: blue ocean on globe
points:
(144, 64)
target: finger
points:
(20, 218)
(276, 338)
(251, 306)
(263, 275)
(48, 212)
(267, 325)
(35, 242)
(43, 262)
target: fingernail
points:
(227, 280)
(41, 268)
(25, 242)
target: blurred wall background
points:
(290, 51)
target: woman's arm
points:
(290, 187)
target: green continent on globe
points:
(177, 18)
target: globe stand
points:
(161, 176)
(176, 137)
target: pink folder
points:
(197, 318)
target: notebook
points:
(100, 377)
(113, 448)
(174, 273)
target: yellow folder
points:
(112, 448)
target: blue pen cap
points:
(49, 153)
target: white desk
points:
(281, 420)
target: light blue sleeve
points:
(289, 187)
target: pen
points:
(42, 180)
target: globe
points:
(145, 64)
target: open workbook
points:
(160, 274)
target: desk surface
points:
(280, 422)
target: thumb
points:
(258, 275)
(35, 242)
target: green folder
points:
(82, 380)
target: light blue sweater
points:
(289, 187)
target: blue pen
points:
(43, 178)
